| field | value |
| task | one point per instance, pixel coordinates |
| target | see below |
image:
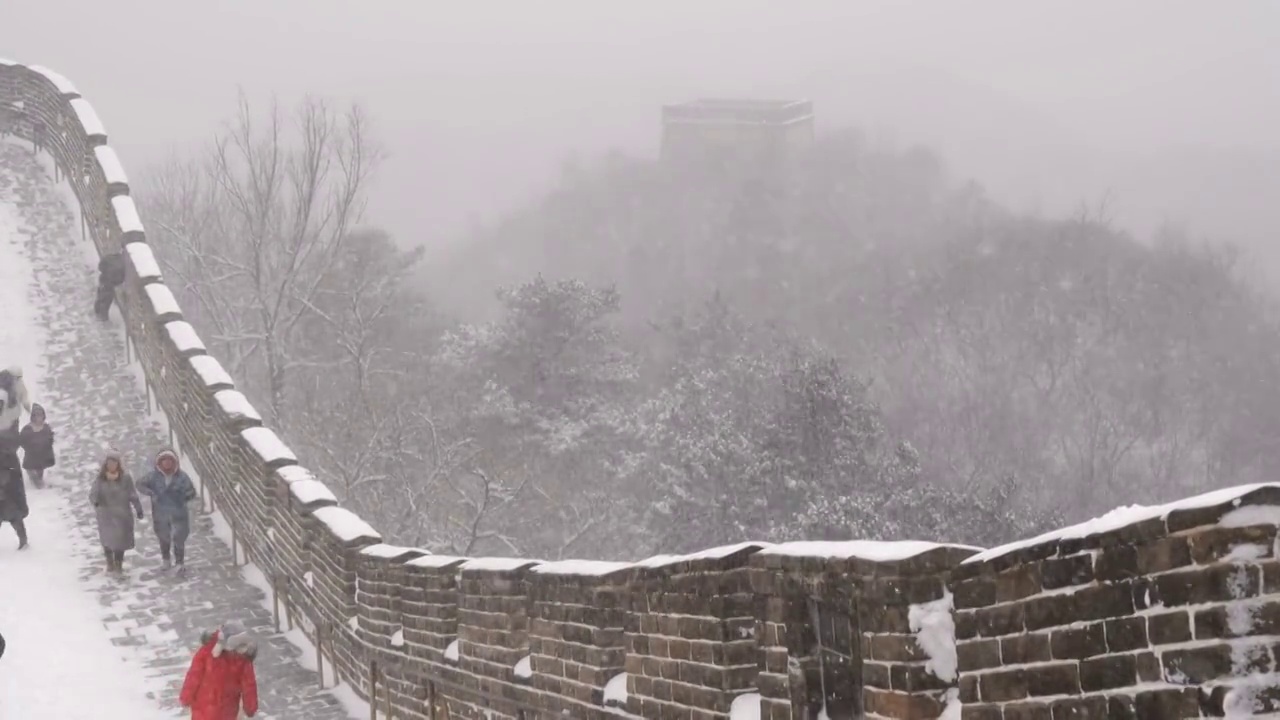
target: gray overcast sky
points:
(1046, 102)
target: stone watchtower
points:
(717, 132)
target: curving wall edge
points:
(1156, 613)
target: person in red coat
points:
(221, 676)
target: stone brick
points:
(1169, 628)
(1208, 584)
(1104, 601)
(1085, 708)
(981, 712)
(1211, 544)
(1051, 611)
(1117, 563)
(1001, 620)
(1163, 554)
(1026, 648)
(1065, 572)
(1018, 582)
(1105, 673)
(1078, 643)
(978, 654)
(1028, 711)
(1196, 666)
(1124, 634)
(1053, 679)
(1166, 704)
(1003, 685)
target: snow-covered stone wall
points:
(1156, 613)
(1164, 612)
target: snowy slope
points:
(59, 662)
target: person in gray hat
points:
(221, 679)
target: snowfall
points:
(58, 656)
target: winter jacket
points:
(169, 497)
(221, 678)
(115, 502)
(12, 394)
(37, 446)
(13, 491)
(111, 270)
(20, 386)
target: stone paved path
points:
(94, 401)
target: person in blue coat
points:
(170, 490)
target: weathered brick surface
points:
(1164, 618)
(1173, 616)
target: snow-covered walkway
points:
(60, 661)
(81, 644)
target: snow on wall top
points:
(872, 550)
(60, 82)
(436, 561)
(267, 444)
(162, 300)
(312, 491)
(498, 564)
(591, 568)
(389, 552)
(89, 119)
(1123, 517)
(127, 217)
(184, 336)
(144, 261)
(210, 370)
(236, 405)
(714, 553)
(112, 168)
(294, 473)
(344, 524)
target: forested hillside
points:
(648, 360)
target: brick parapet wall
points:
(1163, 618)
(1173, 615)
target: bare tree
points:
(255, 230)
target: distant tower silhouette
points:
(712, 132)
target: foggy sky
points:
(1172, 105)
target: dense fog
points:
(1025, 272)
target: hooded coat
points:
(13, 491)
(169, 497)
(37, 445)
(115, 502)
(221, 677)
(12, 397)
(111, 270)
(20, 387)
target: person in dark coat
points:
(115, 501)
(221, 679)
(111, 272)
(170, 489)
(36, 441)
(13, 496)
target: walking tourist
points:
(221, 679)
(116, 503)
(36, 441)
(170, 490)
(13, 495)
